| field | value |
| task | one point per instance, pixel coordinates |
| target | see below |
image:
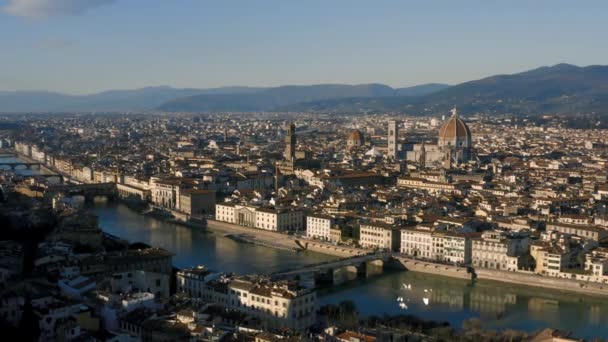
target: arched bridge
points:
(87, 190)
(338, 271)
(21, 165)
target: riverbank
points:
(44, 169)
(245, 238)
(505, 277)
(540, 281)
(284, 241)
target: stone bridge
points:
(338, 271)
(21, 165)
(87, 190)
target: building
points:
(165, 193)
(274, 219)
(335, 235)
(596, 263)
(131, 192)
(393, 139)
(417, 242)
(498, 250)
(355, 139)
(146, 259)
(196, 202)
(431, 186)
(454, 145)
(281, 304)
(141, 281)
(586, 231)
(318, 226)
(379, 235)
(279, 220)
(290, 144)
(192, 281)
(441, 245)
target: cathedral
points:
(453, 146)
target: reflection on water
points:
(498, 306)
(193, 247)
(22, 170)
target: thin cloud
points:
(48, 8)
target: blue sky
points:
(84, 46)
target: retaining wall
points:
(429, 267)
(330, 249)
(535, 280)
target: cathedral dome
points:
(454, 132)
(355, 139)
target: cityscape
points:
(471, 210)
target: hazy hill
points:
(421, 90)
(284, 96)
(113, 100)
(274, 97)
(562, 88)
(189, 99)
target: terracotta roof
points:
(454, 128)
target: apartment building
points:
(499, 250)
(281, 304)
(318, 226)
(442, 245)
(379, 235)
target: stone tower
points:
(393, 138)
(290, 143)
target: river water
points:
(497, 305)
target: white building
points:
(495, 249)
(440, 244)
(165, 193)
(279, 220)
(417, 242)
(318, 226)
(193, 281)
(274, 219)
(279, 304)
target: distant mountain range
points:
(284, 96)
(144, 99)
(197, 100)
(561, 88)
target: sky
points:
(86, 46)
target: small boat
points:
(403, 306)
(425, 301)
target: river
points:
(498, 306)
